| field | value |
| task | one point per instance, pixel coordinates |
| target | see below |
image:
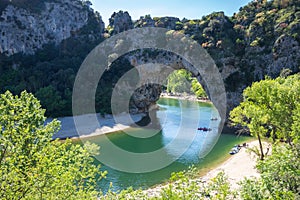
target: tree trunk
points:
(261, 147)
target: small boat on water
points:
(214, 119)
(204, 129)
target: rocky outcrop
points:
(24, 31)
(144, 21)
(119, 22)
(162, 22)
(167, 22)
(286, 54)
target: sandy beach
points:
(180, 96)
(92, 125)
(236, 168)
(87, 126)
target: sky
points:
(190, 9)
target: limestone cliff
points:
(24, 30)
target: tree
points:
(51, 100)
(198, 89)
(179, 82)
(269, 109)
(296, 125)
(33, 167)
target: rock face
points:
(120, 21)
(285, 50)
(167, 22)
(24, 31)
(162, 22)
(145, 21)
(151, 78)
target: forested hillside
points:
(261, 39)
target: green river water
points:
(176, 120)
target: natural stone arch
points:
(117, 46)
(157, 65)
(196, 60)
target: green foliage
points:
(256, 42)
(179, 82)
(197, 89)
(128, 194)
(33, 167)
(220, 186)
(192, 22)
(280, 176)
(270, 109)
(51, 100)
(179, 26)
(183, 185)
(296, 125)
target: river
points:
(169, 143)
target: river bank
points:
(236, 168)
(89, 127)
(106, 124)
(184, 96)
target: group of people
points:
(237, 148)
(204, 129)
(243, 145)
